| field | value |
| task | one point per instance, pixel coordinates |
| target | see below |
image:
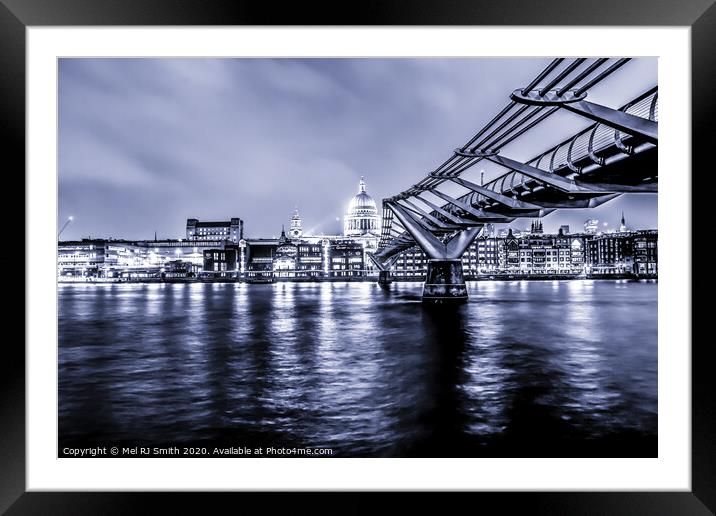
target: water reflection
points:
(523, 369)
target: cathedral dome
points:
(362, 202)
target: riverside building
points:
(532, 253)
(110, 258)
(623, 253)
(232, 230)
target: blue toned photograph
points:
(373, 257)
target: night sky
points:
(145, 144)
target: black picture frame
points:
(17, 15)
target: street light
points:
(67, 223)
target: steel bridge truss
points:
(615, 155)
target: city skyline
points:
(147, 143)
(608, 220)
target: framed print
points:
(268, 251)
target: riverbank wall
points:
(354, 279)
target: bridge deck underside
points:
(629, 170)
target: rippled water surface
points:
(563, 368)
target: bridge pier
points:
(444, 282)
(384, 277)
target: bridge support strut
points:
(444, 282)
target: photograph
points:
(381, 257)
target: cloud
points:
(216, 138)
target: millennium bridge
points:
(616, 154)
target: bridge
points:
(615, 154)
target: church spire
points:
(296, 230)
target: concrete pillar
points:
(384, 277)
(444, 282)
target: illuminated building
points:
(488, 255)
(362, 224)
(509, 255)
(346, 258)
(100, 258)
(178, 269)
(547, 254)
(310, 259)
(362, 221)
(610, 253)
(645, 248)
(481, 256)
(284, 262)
(232, 230)
(410, 264)
(624, 253)
(577, 252)
(305, 258)
(361, 229)
(85, 258)
(159, 252)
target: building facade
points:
(550, 254)
(232, 230)
(285, 259)
(310, 260)
(362, 218)
(81, 259)
(410, 264)
(623, 253)
(610, 253)
(346, 258)
(100, 258)
(645, 248)
(221, 262)
(532, 253)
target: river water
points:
(525, 369)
